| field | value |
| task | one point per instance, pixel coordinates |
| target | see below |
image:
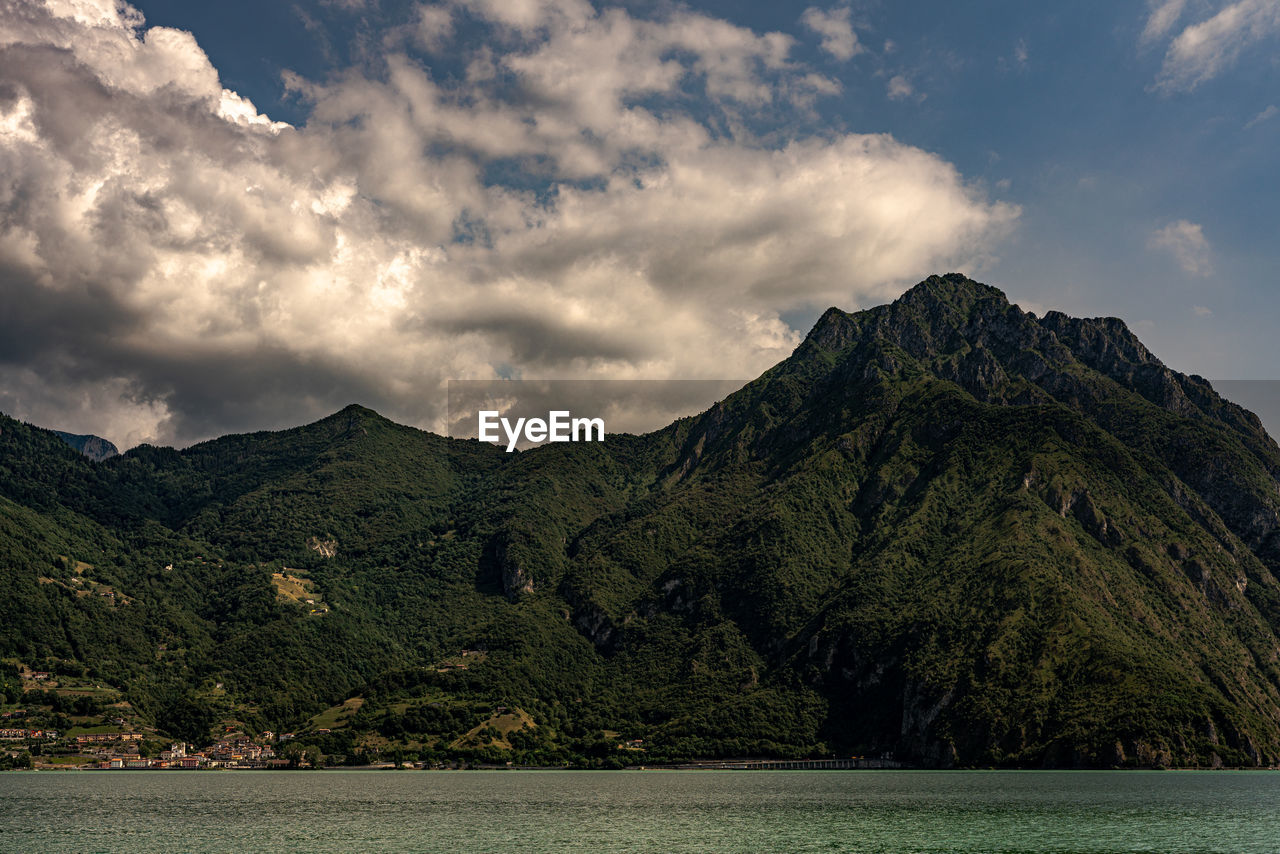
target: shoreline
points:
(643, 768)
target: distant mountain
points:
(95, 448)
(944, 530)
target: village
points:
(124, 750)
(51, 720)
(101, 730)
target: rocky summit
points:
(945, 532)
(94, 447)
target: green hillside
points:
(943, 530)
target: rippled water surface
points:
(668, 811)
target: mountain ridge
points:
(943, 529)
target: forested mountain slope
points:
(943, 529)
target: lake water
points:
(665, 811)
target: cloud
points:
(1201, 311)
(838, 37)
(900, 88)
(1020, 53)
(1268, 113)
(1186, 241)
(587, 201)
(1204, 49)
(1164, 15)
(434, 26)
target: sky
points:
(240, 216)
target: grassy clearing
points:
(85, 587)
(293, 585)
(336, 717)
(461, 660)
(504, 723)
(70, 761)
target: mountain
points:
(95, 448)
(944, 529)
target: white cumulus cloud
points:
(835, 29)
(1186, 242)
(588, 202)
(899, 88)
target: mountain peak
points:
(351, 421)
(932, 316)
(353, 414)
(355, 410)
(95, 448)
(951, 289)
(969, 333)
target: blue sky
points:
(1098, 158)
(1062, 102)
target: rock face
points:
(323, 546)
(511, 557)
(94, 447)
(516, 580)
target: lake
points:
(668, 811)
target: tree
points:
(292, 752)
(313, 757)
(22, 760)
